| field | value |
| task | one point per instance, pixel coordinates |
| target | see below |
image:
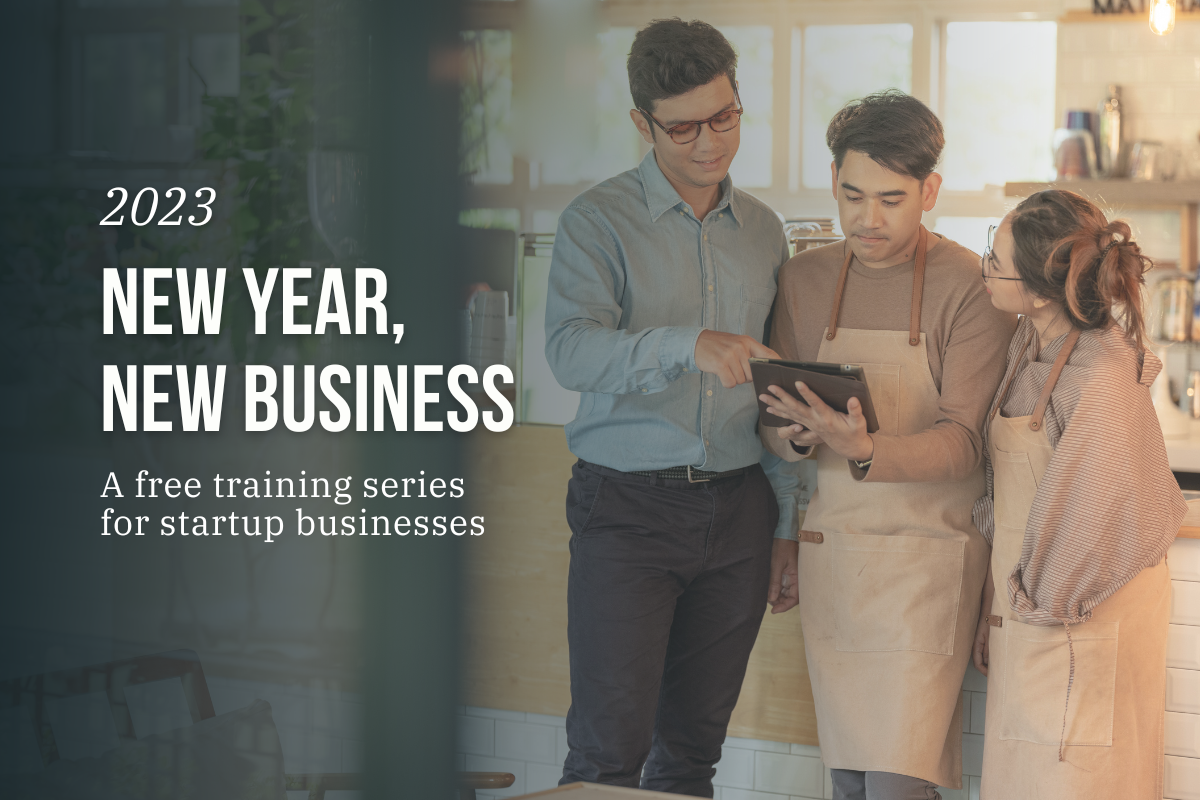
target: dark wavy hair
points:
(896, 130)
(671, 57)
(1067, 251)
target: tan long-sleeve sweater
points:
(966, 341)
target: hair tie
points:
(1116, 239)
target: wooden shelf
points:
(1119, 192)
(1120, 195)
(1189, 533)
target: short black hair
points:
(671, 57)
(896, 130)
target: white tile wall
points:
(534, 746)
(1159, 78)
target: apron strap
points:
(1008, 384)
(1039, 411)
(914, 317)
(914, 320)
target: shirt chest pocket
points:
(755, 306)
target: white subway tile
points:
(485, 764)
(728, 793)
(789, 774)
(1181, 778)
(1080, 39)
(972, 754)
(735, 769)
(806, 750)
(1184, 556)
(1149, 100)
(828, 793)
(350, 719)
(966, 712)
(1183, 646)
(1185, 602)
(978, 711)
(758, 744)
(546, 719)
(477, 735)
(1182, 734)
(561, 749)
(308, 751)
(352, 755)
(495, 713)
(525, 741)
(973, 792)
(954, 794)
(540, 777)
(1183, 690)
(974, 680)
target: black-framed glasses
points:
(686, 132)
(987, 258)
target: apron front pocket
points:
(1036, 667)
(1015, 488)
(896, 592)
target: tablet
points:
(833, 383)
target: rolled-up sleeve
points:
(784, 477)
(586, 347)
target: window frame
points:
(786, 194)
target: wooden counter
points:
(516, 619)
(516, 608)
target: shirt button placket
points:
(711, 313)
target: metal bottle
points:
(1111, 133)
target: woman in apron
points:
(1080, 509)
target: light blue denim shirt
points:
(634, 279)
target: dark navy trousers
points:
(666, 592)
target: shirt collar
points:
(661, 196)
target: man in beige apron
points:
(889, 565)
(1114, 695)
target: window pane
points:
(125, 98)
(999, 112)
(542, 399)
(882, 59)
(970, 232)
(752, 166)
(617, 145)
(486, 107)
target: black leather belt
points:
(689, 474)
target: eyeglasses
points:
(987, 258)
(686, 132)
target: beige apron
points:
(890, 576)
(1112, 735)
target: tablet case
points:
(833, 383)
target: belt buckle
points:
(695, 480)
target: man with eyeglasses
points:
(661, 283)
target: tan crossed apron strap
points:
(1039, 411)
(1008, 384)
(914, 320)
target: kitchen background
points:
(1002, 77)
(192, 92)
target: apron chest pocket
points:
(895, 593)
(1037, 665)
(1015, 489)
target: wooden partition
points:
(516, 619)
